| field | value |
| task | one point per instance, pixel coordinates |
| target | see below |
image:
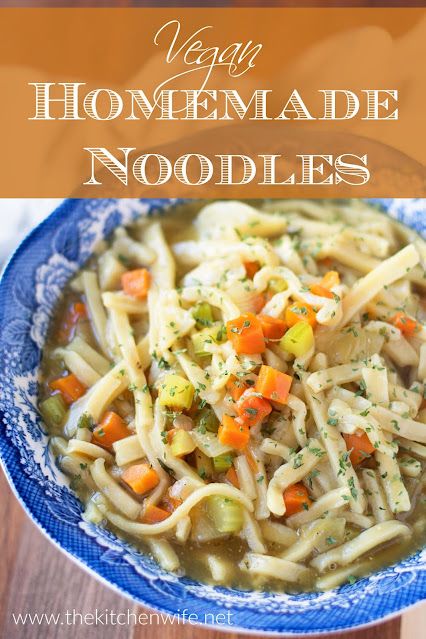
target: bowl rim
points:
(66, 208)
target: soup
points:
(238, 390)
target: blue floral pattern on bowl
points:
(29, 289)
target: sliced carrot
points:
(236, 388)
(245, 333)
(321, 291)
(251, 460)
(300, 312)
(406, 325)
(251, 408)
(258, 302)
(154, 514)
(136, 283)
(330, 279)
(233, 433)
(268, 295)
(231, 477)
(296, 499)
(251, 268)
(80, 310)
(70, 388)
(272, 327)
(110, 430)
(170, 434)
(75, 312)
(273, 384)
(141, 478)
(360, 447)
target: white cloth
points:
(18, 217)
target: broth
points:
(304, 263)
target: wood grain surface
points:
(35, 577)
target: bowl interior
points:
(30, 287)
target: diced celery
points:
(298, 340)
(176, 392)
(220, 336)
(213, 334)
(203, 315)
(86, 421)
(227, 514)
(277, 285)
(207, 420)
(222, 463)
(54, 410)
(182, 443)
(203, 464)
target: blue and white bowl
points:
(29, 290)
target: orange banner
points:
(247, 102)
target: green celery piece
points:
(298, 340)
(213, 334)
(222, 463)
(203, 314)
(54, 410)
(226, 514)
(206, 419)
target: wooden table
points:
(35, 578)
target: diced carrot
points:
(273, 384)
(233, 433)
(406, 325)
(79, 309)
(258, 302)
(296, 499)
(251, 268)
(245, 333)
(235, 388)
(110, 430)
(251, 408)
(70, 388)
(321, 291)
(272, 327)
(300, 312)
(153, 514)
(330, 279)
(136, 283)
(75, 312)
(231, 477)
(360, 447)
(141, 478)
